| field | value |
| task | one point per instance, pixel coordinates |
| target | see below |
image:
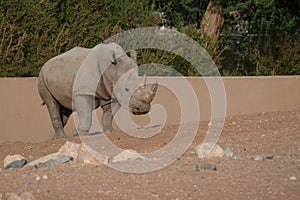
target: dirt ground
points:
(274, 134)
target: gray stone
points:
(32, 167)
(209, 150)
(127, 155)
(70, 149)
(60, 160)
(269, 157)
(27, 196)
(87, 156)
(228, 152)
(68, 152)
(11, 196)
(11, 158)
(43, 159)
(258, 158)
(16, 164)
(206, 167)
(63, 159)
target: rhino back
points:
(59, 72)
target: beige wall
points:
(23, 118)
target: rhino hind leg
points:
(54, 110)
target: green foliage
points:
(265, 38)
(31, 31)
(258, 37)
(180, 13)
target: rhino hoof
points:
(109, 130)
(80, 133)
(57, 136)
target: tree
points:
(213, 20)
(31, 32)
(257, 37)
(260, 32)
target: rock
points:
(12, 158)
(45, 177)
(27, 196)
(16, 164)
(32, 167)
(70, 149)
(43, 159)
(228, 152)
(88, 156)
(127, 155)
(269, 157)
(11, 196)
(258, 158)
(60, 160)
(293, 178)
(209, 150)
(206, 166)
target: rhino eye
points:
(126, 89)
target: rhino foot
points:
(80, 133)
(109, 130)
(57, 136)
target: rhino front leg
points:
(109, 111)
(84, 108)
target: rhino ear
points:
(133, 55)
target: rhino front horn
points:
(143, 82)
(154, 88)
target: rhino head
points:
(141, 98)
(131, 93)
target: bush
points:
(34, 31)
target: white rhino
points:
(83, 79)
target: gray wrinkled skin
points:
(71, 82)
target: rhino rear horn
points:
(133, 55)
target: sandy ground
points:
(275, 134)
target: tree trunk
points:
(213, 20)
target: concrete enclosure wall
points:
(23, 118)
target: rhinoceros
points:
(83, 79)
